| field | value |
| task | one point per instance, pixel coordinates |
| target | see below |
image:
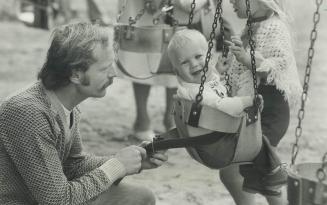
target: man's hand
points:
(131, 157)
(155, 160)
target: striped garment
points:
(37, 163)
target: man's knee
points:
(145, 197)
(125, 194)
(137, 195)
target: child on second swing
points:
(279, 83)
(187, 51)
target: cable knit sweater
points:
(37, 164)
(273, 41)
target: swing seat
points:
(144, 39)
(142, 50)
(249, 134)
(304, 187)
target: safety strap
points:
(160, 143)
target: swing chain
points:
(252, 53)
(146, 7)
(174, 20)
(166, 7)
(321, 172)
(222, 32)
(217, 15)
(311, 51)
(132, 20)
(228, 86)
(224, 50)
(190, 19)
(117, 30)
(170, 18)
(121, 11)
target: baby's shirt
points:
(214, 95)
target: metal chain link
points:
(134, 20)
(174, 20)
(190, 19)
(222, 31)
(121, 11)
(163, 4)
(228, 86)
(252, 53)
(169, 12)
(224, 50)
(117, 30)
(311, 51)
(217, 15)
(321, 172)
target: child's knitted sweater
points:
(273, 42)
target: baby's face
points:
(190, 62)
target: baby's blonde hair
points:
(182, 38)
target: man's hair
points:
(182, 38)
(71, 48)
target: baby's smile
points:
(197, 72)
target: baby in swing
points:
(187, 52)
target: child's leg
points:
(142, 122)
(265, 175)
(275, 119)
(278, 200)
(267, 160)
(233, 182)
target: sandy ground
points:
(107, 122)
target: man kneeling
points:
(40, 145)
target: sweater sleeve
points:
(276, 48)
(79, 163)
(33, 147)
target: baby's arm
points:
(247, 101)
(278, 53)
(234, 106)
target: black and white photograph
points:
(166, 102)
